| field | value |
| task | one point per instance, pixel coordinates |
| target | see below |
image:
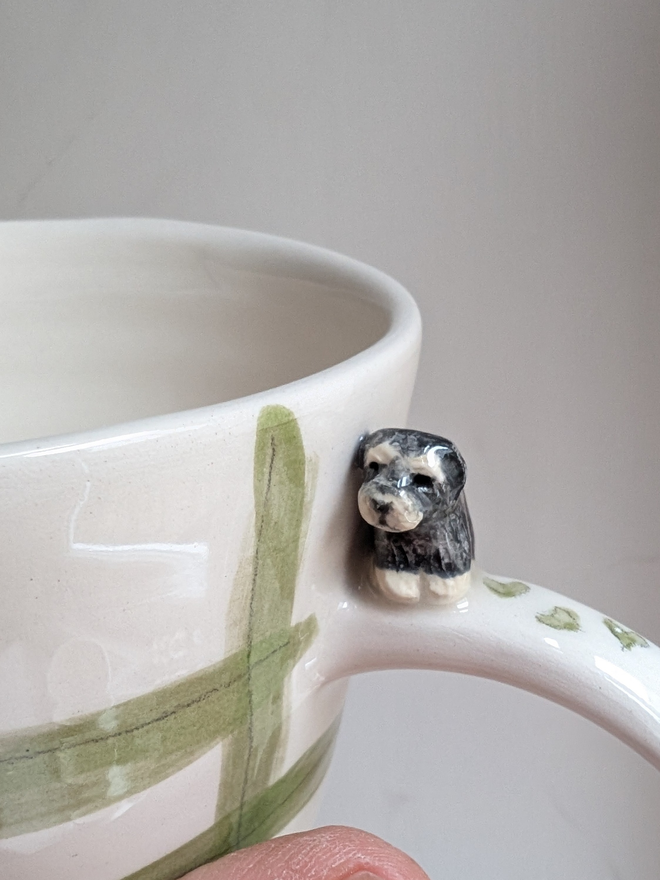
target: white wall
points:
(502, 160)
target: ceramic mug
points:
(184, 587)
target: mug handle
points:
(516, 633)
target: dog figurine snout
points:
(388, 507)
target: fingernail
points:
(364, 875)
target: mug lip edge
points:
(403, 332)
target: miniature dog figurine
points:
(412, 494)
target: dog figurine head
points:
(409, 477)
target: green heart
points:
(561, 618)
(629, 638)
(508, 589)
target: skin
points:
(332, 853)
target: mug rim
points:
(254, 251)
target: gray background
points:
(502, 160)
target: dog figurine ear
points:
(360, 452)
(455, 470)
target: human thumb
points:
(331, 853)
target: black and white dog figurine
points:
(412, 494)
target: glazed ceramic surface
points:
(165, 582)
(183, 562)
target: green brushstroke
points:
(508, 589)
(561, 618)
(58, 772)
(261, 816)
(250, 756)
(628, 638)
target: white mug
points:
(185, 574)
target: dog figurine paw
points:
(412, 495)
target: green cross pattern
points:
(58, 772)
(260, 817)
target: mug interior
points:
(104, 322)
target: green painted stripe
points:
(279, 502)
(250, 756)
(261, 817)
(56, 773)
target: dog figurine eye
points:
(372, 468)
(422, 481)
